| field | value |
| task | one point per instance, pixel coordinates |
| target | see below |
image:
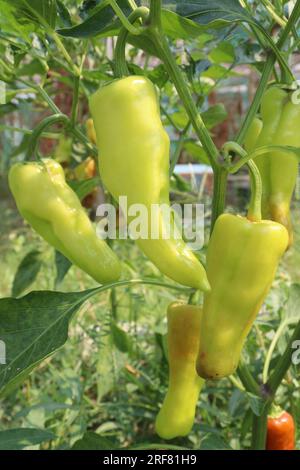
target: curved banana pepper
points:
(54, 211)
(242, 259)
(134, 162)
(279, 125)
(177, 414)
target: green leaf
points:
(213, 441)
(196, 151)
(37, 11)
(212, 13)
(214, 115)
(92, 441)
(62, 267)
(16, 439)
(224, 52)
(218, 14)
(84, 187)
(32, 328)
(158, 75)
(120, 338)
(256, 403)
(36, 66)
(292, 305)
(63, 14)
(102, 21)
(26, 273)
(178, 27)
(216, 72)
(9, 23)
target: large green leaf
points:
(26, 273)
(208, 12)
(214, 441)
(220, 13)
(120, 338)
(32, 328)
(92, 441)
(16, 439)
(102, 21)
(62, 265)
(37, 11)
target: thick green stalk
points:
(219, 194)
(254, 210)
(259, 430)
(247, 379)
(121, 69)
(44, 124)
(283, 363)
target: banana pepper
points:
(54, 211)
(242, 259)
(279, 125)
(176, 416)
(134, 162)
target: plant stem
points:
(268, 67)
(267, 70)
(247, 379)
(183, 91)
(74, 110)
(270, 8)
(219, 194)
(194, 298)
(133, 282)
(63, 50)
(124, 20)
(254, 210)
(283, 363)
(22, 130)
(259, 427)
(155, 14)
(259, 430)
(271, 350)
(121, 69)
(44, 124)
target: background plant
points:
(113, 368)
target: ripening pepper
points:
(90, 129)
(54, 211)
(242, 259)
(177, 414)
(134, 162)
(280, 431)
(279, 125)
(86, 169)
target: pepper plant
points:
(42, 46)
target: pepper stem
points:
(121, 69)
(254, 210)
(40, 128)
